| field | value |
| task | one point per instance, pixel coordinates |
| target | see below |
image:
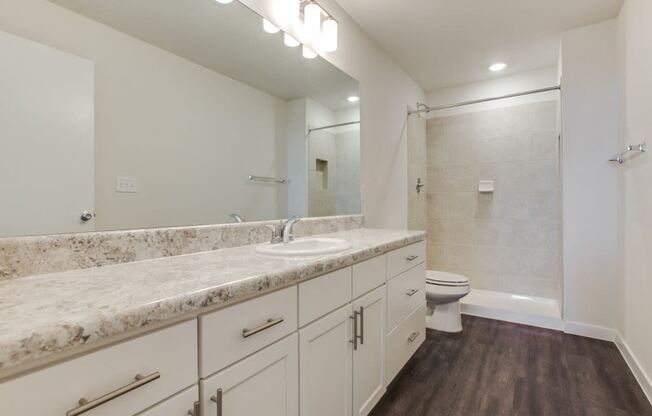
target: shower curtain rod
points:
(428, 109)
(348, 123)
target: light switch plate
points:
(126, 184)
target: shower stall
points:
(492, 203)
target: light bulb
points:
(329, 34)
(312, 20)
(269, 27)
(290, 41)
(308, 53)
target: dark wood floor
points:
(496, 368)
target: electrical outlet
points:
(126, 184)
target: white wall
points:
(496, 87)
(590, 184)
(635, 32)
(386, 91)
(174, 125)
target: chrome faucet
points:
(237, 218)
(282, 233)
(286, 228)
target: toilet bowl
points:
(443, 293)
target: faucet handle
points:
(276, 233)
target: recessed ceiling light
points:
(353, 99)
(498, 66)
(269, 27)
(224, 1)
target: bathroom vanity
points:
(228, 332)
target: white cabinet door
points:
(182, 404)
(325, 361)
(369, 358)
(266, 383)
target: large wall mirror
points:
(130, 114)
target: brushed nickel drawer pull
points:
(414, 336)
(354, 341)
(412, 257)
(246, 333)
(85, 405)
(412, 292)
(196, 410)
(217, 399)
(361, 325)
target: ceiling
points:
(227, 38)
(442, 43)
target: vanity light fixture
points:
(312, 21)
(308, 53)
(269, 27)
(353, 99)
(329, 35)
(290, 41)
(497, 67)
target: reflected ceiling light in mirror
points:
(224, 1)
(312, 20)
(290, 41)
(269, 27)
(329, 35)
(308, 53)
(497, 67)
(353, 99)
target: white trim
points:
(590, 331)
(643, 379)
(540, 321)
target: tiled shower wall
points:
(509, 240)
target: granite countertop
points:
(51, 313)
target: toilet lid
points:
(446, 279)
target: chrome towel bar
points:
(254, 178)
(620, 157)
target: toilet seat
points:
(446, 279)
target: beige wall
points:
(509, 240)
(174, 125)
(635, 32)
(386, 91)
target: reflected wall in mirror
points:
(155, 113)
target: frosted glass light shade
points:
(308, 53)
(312, 20)
(289, 11)
(329, 35)
(290, 41)
(269, 27)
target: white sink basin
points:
(305, 247)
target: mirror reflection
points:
(156, 113)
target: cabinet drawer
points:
(319, 296)
(403, 342)
(405, 293)
(233, 333)
(267, 383)
(182, 404)
(405, 258)
(170, 354)
(368, 275)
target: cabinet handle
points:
(412, 292)
(85, 405)
(246, 333)
(196, 410)
(361, 325)
(414, 336)
(354, 341)
(412, 257)
(217, 399)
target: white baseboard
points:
(590, 331)
(643, 379)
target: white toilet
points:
(443, 293)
